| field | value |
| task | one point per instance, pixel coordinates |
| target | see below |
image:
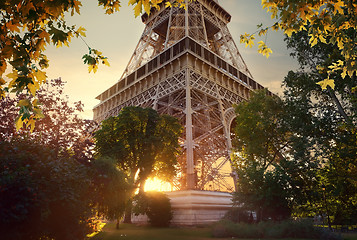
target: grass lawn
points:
(349, 236)
(132, 232)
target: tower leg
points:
(189, 138)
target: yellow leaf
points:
(13, 75)
(182, 5)
(41, 76)
(249, 41)
(313, 40)
(274, 12)
(338, 7)
(77, 5)
(31, 123)
(38, 113)
(45, 35)
(289, 31)
(105, 62)
(327, 82)
(344, 72)
(168, 5)
(93, 67)
(35, 102)
(340, 43)
(18, 123)
(24, 103)
(350, 72)
(131, 2)
(322, 39)
(138, 8)
(263, 49)
(32, 89)
(116, 6)
(81, 31)
(266, 52)
(263, 31)
(147, 7)
(3, 66)
(12, 27)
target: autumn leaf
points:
(40, 75)
(31, 123)
(168, 4)
(338, 7)
(45, 35)
(14, 75)
(38, 113)
(76, 4)
(105, 62)
(263, 49)
(327, 82)
(32, 88)
(24, 103)
(289, 31)
(18, 123)
(138, 8)
(92, 67)
(81, 31)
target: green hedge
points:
(284, 229)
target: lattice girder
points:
(186, 64)
(166, 27)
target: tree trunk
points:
(127, 217)
(117, 225)
(339, 107)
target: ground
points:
(132, 232)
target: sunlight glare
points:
(155, 184)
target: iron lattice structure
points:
(186, 64)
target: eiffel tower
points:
(186, 64)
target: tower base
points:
(193, 207)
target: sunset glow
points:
(155, 184)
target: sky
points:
(117, 35)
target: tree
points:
(60, 128)
(335, 140)
(43, 196)
(142, 142)
(270, 181)
(111, 189)
(57, 152)
(26, 28)
(318, 145)
(331, 21)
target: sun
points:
(155, 184)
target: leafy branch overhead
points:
(329, 22)
(28, 27)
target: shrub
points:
(42, 195)
(284, 229)
(238, 215)
(156, 205)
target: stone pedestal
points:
(193, 207)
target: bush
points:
(156, 205)
(238, 215)
(42, 195)
(284, 229)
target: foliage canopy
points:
(331, 22)
(305, 144)
(27, 28)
